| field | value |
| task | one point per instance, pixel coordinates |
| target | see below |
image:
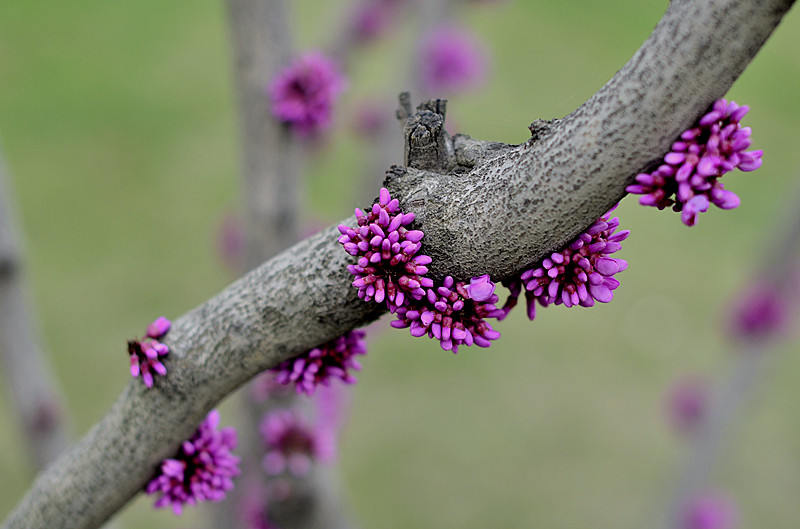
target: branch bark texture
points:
(498, 211)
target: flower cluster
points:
(453, 313)
(688, 178)
(146, 353)
(580, 274)
(388, 267)
(203, 469)
(292, 445)
(333, 359)
(451, 59)
(303, 94)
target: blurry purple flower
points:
(146, 354)
(687, 403)
(203, 469)
(760, 313)
(688, 178)
(454, 313)
(370, 19)
(333, 359)
(712, 510)
(451, 59)
(303, 94)
(388, 268)
(292, 445)
(580, 274)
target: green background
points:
(118, 123)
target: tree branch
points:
(539, 195)
(506, 212)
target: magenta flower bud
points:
(158, 328)
(480, 288)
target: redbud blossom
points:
(688, 178)
(202, 470)
(303, 94)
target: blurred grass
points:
(118, 123)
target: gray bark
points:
(272, 185)
(513, 206)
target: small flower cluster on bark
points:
(390, 270)
(688, 178)
(580, 274)
(146, 354)
(333, 359)
(202, 470)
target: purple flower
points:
(303, 94)
(146, 359)
(453, 313)
(688, 178)
(712, 510)
(203, 469)
(687, 403)
(292, 445)
(580, 274)
(451, 59)
(332, 359)
(372, 18)
(760, 313)
(146, 354)
(388, 267)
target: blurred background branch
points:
(33, 392)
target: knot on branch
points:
(539, 128)
(428, 146)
